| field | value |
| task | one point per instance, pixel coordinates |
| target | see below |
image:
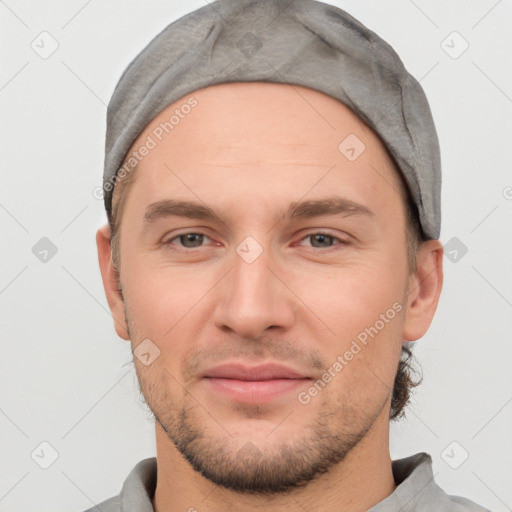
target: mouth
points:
(258, 384)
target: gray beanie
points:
(301, 42)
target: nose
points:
(253, 299)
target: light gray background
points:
(65, 376)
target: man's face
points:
(250, 152)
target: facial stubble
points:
(256, 468)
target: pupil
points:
(322, 239)
(193, 238)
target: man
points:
(272, 184)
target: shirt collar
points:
(415, 485)
(413, 477)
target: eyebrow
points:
(301, 210)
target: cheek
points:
(166, 305)
(353, 298)
(363, 308)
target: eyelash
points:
(323, 249)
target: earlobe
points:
(424, 290)
(111, 282)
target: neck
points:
(360, 481)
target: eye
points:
(192, 240)
(188, 240)
(323, 240)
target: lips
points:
(256, 373)
(258, 384)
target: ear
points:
(111, 282)
(424, 290)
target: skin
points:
(249, 150)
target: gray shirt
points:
(416, 490)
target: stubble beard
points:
(255, 469)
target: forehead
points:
(272, 139)
(234, 115)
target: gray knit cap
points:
(301, 42)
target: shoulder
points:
(449, 503)
(418, 491)
(137, 492)
(110, 505)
